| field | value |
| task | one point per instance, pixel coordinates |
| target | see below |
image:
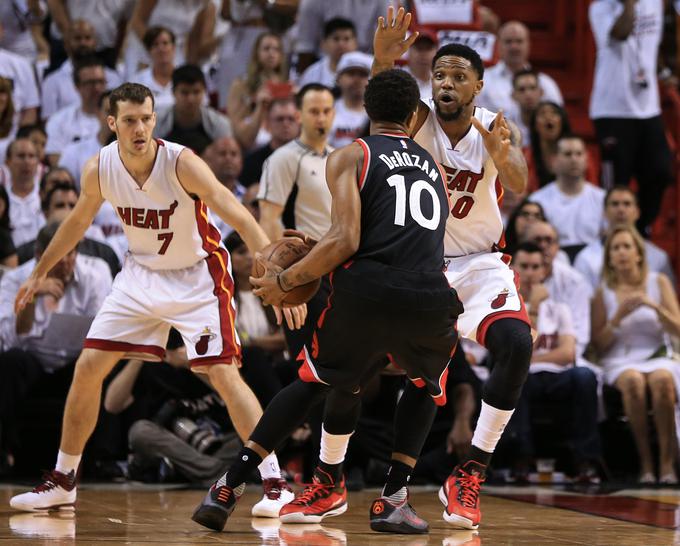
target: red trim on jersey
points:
(367, 161)
(210, 360)
(440, 399)
(307, 372)
(108, 345)
(159, 142)
(397, 135)
(488, 320)
(418, 382)
(442, 173)
(500, 192)
(329, 303)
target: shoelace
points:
(468, 491)
(273, 488)
(311, 492)
(49, 482)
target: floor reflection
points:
(44, 525)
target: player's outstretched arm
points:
(340, 242)
(197, 179)
(68, 235)
(390, 41)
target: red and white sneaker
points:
(322, 499)
(460, 495)
(56, 492)
(276, 495)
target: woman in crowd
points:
(548, 123)
(7, 127)
(251, 94)
(8, 254)
(526, 213)
(160, 45)
(633, 313)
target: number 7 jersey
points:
(166, 228)
(475, 223)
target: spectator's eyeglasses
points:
(63, 205)
(529, 214)
(281, 119)
(92, 83)
(547, 240)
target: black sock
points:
(246, 461)
(333, 470)
(480, 456)
(397, 477)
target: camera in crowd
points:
(201, 433)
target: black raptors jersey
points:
(404, 205)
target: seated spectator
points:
(634, 312)
(225, 159)
(251, 94)
(34, 344)
(38, 136)
(564, 283)
(620, 207)
(513, 49)
(78, 121)
(22, 29)
(25, 95)
(188, 122)
(548, 124)
(419, 61)
(553, 378)
(160, 44)
(59, 88)
(59, 201)
(7, 128)
(571, 203)
(56, 176)
(283, 124)
(350, 117)
(25, 214)
(8, 253)
(339, 37)
(526, 213)
(527, 94)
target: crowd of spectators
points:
(224, 75)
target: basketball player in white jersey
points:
(176, 274)
(480, 156)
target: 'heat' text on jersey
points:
(147, 218)
(460, 180)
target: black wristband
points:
(278, 281)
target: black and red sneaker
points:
(394, 514)
(460, 495)
(217, 506)
(321, 499)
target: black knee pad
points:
(509, 343)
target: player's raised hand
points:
(497, 140)
(390, 42)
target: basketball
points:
(284, 253)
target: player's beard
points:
(452, 116)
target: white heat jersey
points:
(475, 223)
(165, 227)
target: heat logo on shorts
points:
(202, 340)
(500, 300)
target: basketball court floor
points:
(133, 514)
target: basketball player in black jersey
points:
(385, 254)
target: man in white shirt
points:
(527, 93)
(620, 207)
(554, 382)
(58, 87)
(419, 61)
(350, 117)
(25, 214)
(571, 203)
(339, 37)
(25, 94)
(513, 48)
(78, 121)
(564, 283)
(624, 103)
(225, 159)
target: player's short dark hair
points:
(187, 73)
(338, 23)
(460, 50)
(300, 95)
(60, 186)
(154, 32)
(524, 72)
(82, 62)
(620, 187)
(132, 92)
(528, 247)
(45, 236)
(392, 96)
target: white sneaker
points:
(276, 495)
(56, 492)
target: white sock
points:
(269, 467)
(66, 462)
(490, 426)
(333, 447)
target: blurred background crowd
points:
(593, 89)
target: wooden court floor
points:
(113, 514)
